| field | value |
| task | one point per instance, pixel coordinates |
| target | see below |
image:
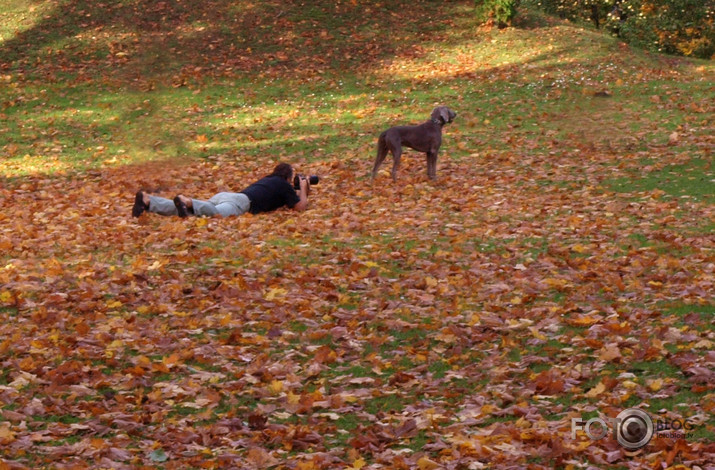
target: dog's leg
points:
(396, 154)
(381, 154)
(432, 165)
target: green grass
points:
(67, 125)
(694, 179)
(704, 310)
(20, 15)
(64, 419)
(653, 369)
(385, 404)
(704, 313)
(348, 422)
(439, 369)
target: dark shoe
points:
(181, 208)
(139, 206)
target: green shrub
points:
(685, 27)
(499, 12)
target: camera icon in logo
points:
(634, 429)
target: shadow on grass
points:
(142, 41)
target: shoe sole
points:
(181, 208)
(139, 206)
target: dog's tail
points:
(382, 150)
(382, 144)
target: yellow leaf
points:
(488, 409)
(276, 386)
(579, 248)
(426, 464)
(583, 320)
(556, 283)
(143, 361)
(5, 297)
(201, 221)
(6, 434)
(309, 465)
(583, 445)
(537, 334)
(293, 399)
(597, 390)
(523, 423)
(655, 385)
(155, 265)
(275, 293)
(359, 463)
(171, 360)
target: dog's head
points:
(443, 115)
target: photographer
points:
(267, 194)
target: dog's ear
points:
(444, 113)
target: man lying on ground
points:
(265, 195)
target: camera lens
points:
(312, 179)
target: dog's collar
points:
(436, 121)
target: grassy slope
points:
(557, 268)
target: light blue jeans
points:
(223, 204)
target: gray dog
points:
(427, 137)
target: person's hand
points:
(302, 194)
(304, 185)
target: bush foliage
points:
(685, 27)
(499, 12)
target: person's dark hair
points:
(284, 170)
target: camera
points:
(312, 179)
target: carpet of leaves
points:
(456, 324)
